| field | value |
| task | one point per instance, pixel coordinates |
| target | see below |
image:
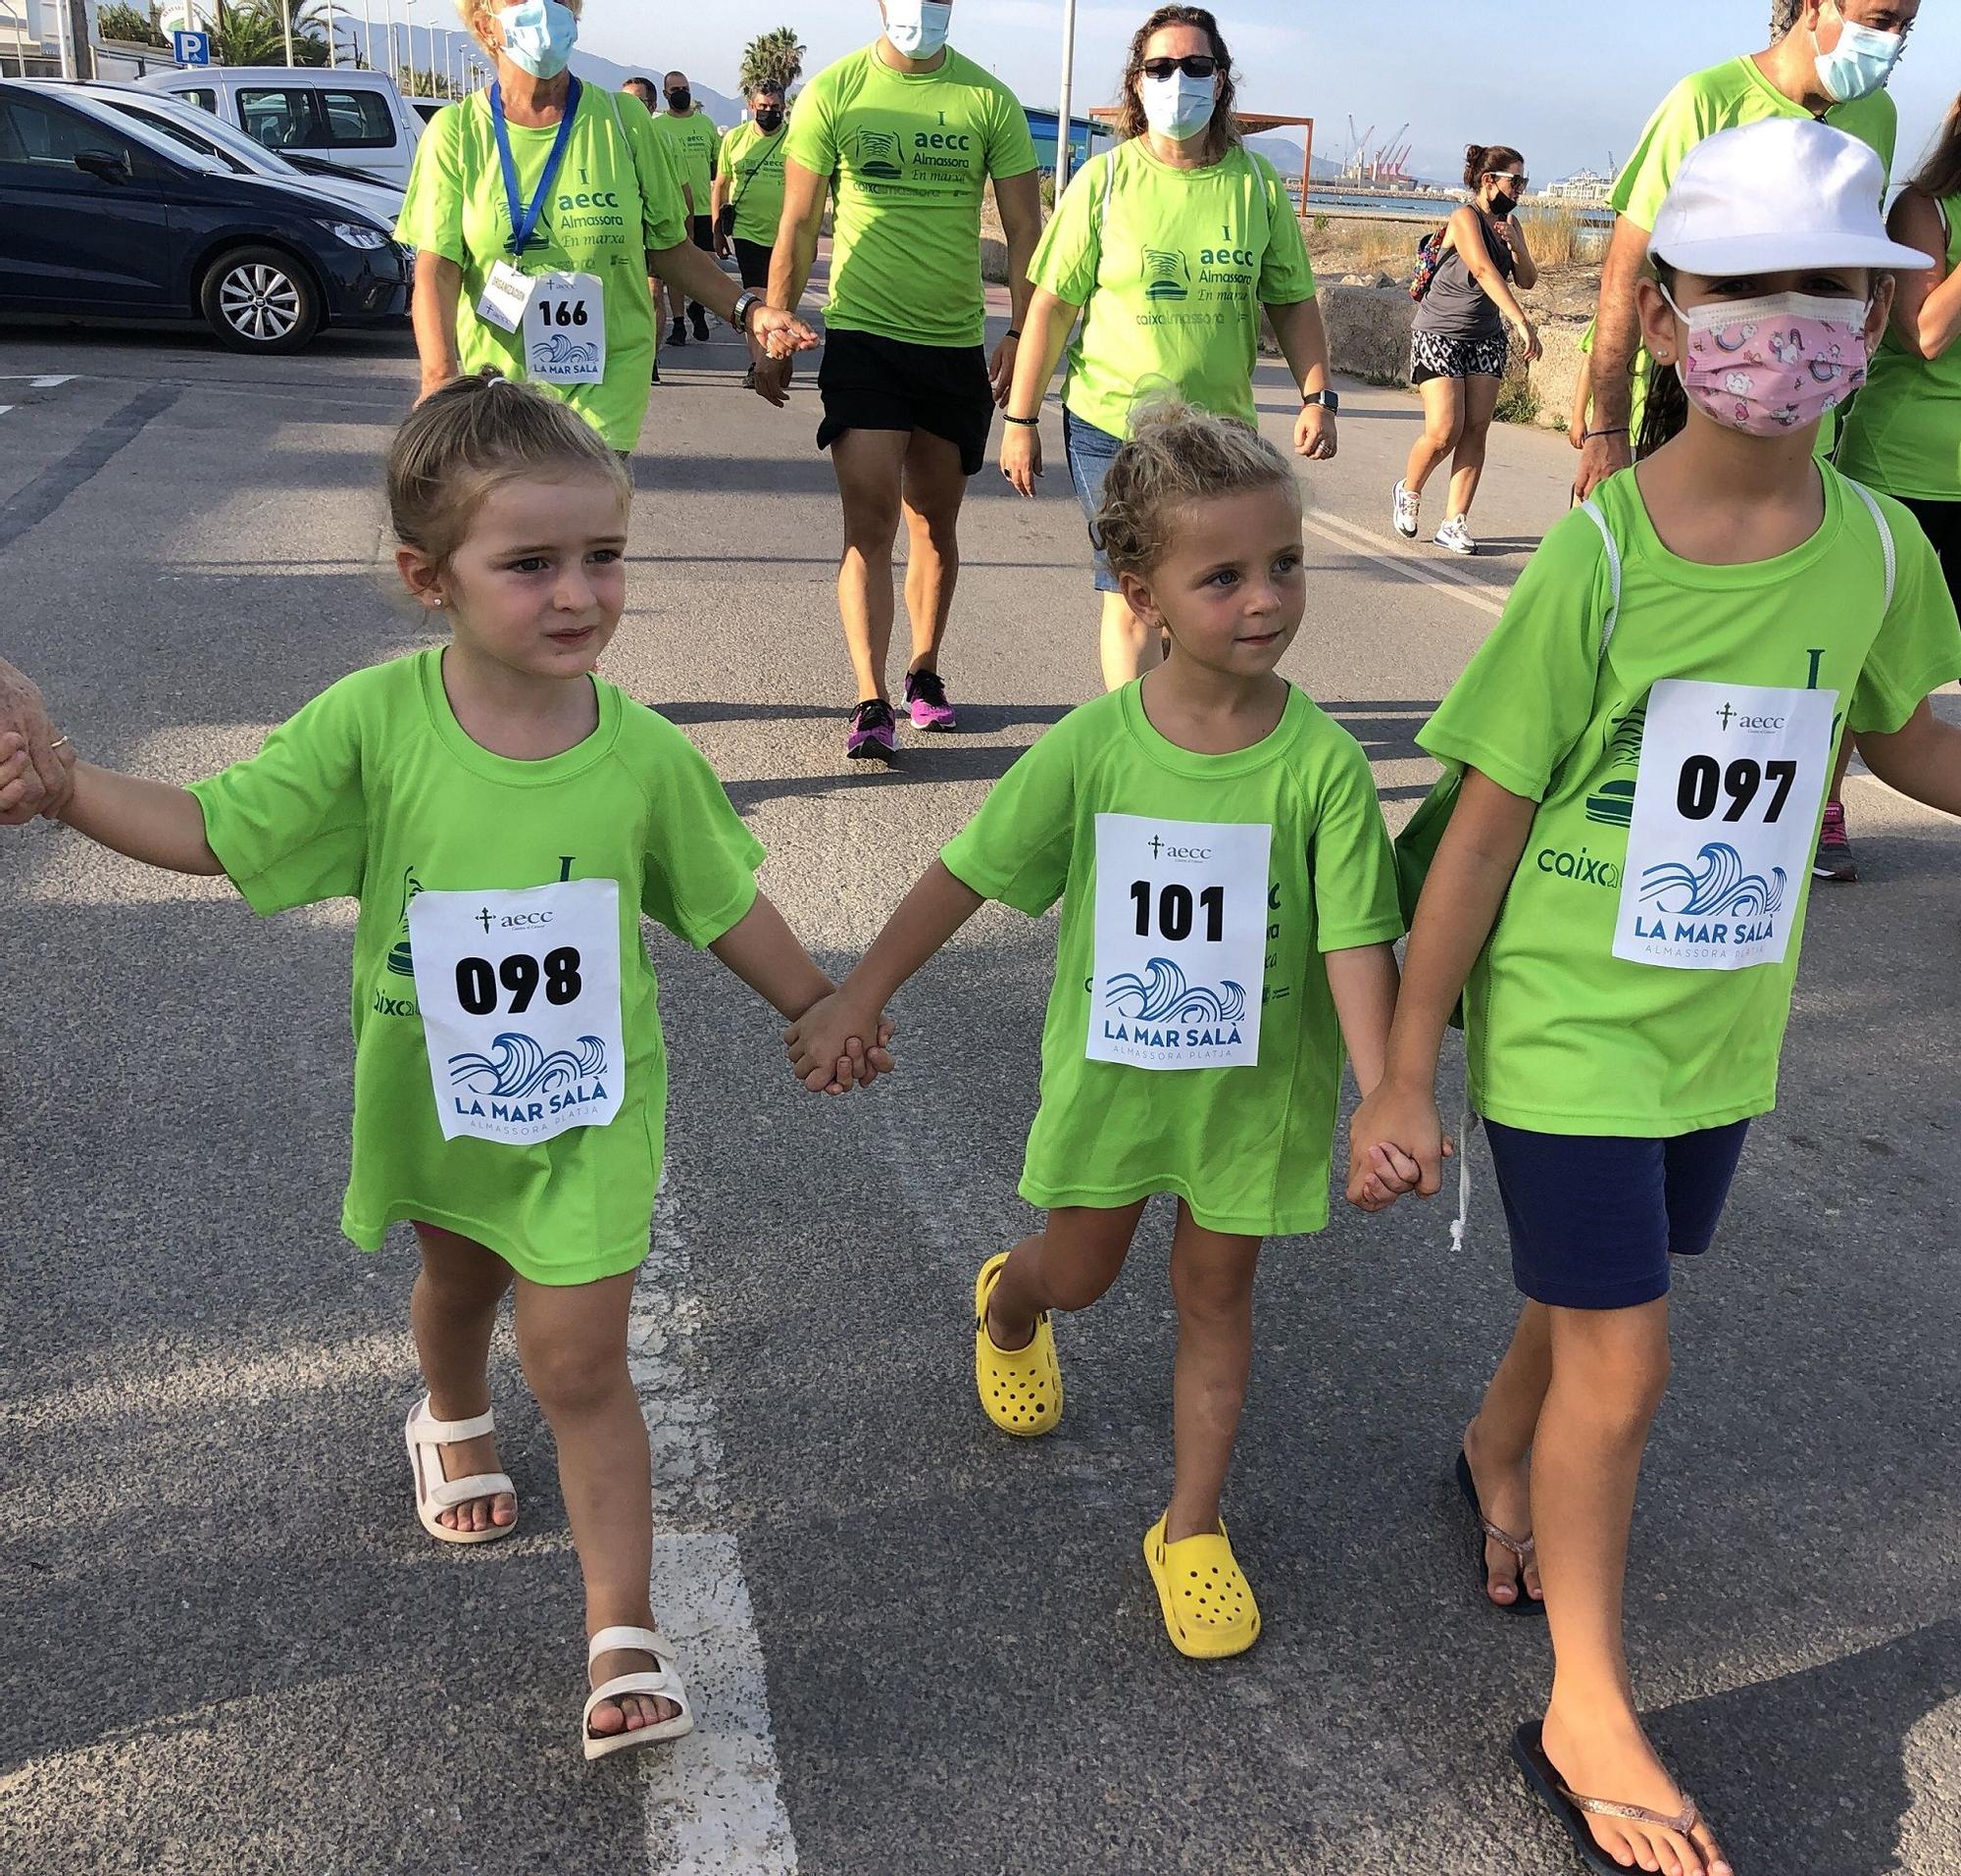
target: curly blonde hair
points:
(1178, 454)
(471, 11)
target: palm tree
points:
(773, 58)
(254, 33)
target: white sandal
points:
(664, 1684)
(433, 1492)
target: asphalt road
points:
(916, 1646)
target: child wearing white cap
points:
(1638, 757)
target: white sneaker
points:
(1455, 535)
(1403, 518)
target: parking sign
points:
(192, 48)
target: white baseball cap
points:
(1770, 197)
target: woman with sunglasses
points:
(1160, 259)
(1458, 348)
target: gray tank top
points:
(1456, 306)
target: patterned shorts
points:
(1433, 355)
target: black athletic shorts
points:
(702, 230)
(753, 258)
(872, 383)
(1941, 521)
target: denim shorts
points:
(1090, 453)
(1594, 1220)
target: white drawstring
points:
(1460, 1225)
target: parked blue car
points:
(101, 216)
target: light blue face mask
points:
(1178, 107)
(1860, 64)
(538, 36)
(918, 28)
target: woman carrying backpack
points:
(1458, 348)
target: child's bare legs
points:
(453, 1308)
(1067, 1265)
(573, 1343)
(1609, 1370)
(1212, 1284)
(1498, 1445)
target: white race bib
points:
(506, 295)
(564, 329)
(1726, 808)
(520, 996)
(1181, 943)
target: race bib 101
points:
(1181, 943)
(1725, 811)
(520, 996)
(564, 329)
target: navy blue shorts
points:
(1090, 453)
(1594, 1220)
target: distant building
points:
(1086, 136)
(1585, 188)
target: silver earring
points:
(438, 603)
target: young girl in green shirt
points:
(503, 817)
(1227, 916)
(1644, 744)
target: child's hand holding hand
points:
(23, 792)
(827, 1047)
(1396, 1144)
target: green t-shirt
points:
(754, 165)
(616, 198)
(1727, 95)
(908, 155)
(695, 147)
(374, 791)
(1562, 1036)
(1904, 430)
(1246, 1147)
(1172, 268)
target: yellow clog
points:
(1208, 1604)
(1021, 1388)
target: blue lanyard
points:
(525, 223)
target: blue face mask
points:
(538, 36)
(1860, 64)
(918, 28)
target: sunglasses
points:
(1198, 65)
(1509, 176)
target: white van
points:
(352, 119)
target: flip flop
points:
(1021, 1388)
(1206, 1601)
(1523, 1549)
(663, 1683)
(1572, 1811)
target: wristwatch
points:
(1328, 400)
(745, 303)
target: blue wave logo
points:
(516, 1066)
(1718, 887)
(560, 353)
(1162, 995)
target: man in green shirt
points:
(695, 147)
(1814, 69)
(907, 134)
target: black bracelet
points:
(1025, 422)
(1014, 331)
(1619, 430)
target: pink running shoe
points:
(871, 738)
(925, 698)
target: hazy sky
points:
(1566, 81)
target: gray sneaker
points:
(1403, 517)
(1455, 535)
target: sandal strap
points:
(1682, 1824)
(641, 1641)
(447, 1433)
(1523, 1549)
(447, 1493)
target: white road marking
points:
(712, 1802)
(34, 384)
(1446, 579)
(5, 408)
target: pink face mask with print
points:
(1775, 364)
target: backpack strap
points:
(1886, 546)
(1592, 510)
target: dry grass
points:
(1390, 248)
(1553, 236)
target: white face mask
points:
(918, 29)
(1861, 63)
(1178, 107)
